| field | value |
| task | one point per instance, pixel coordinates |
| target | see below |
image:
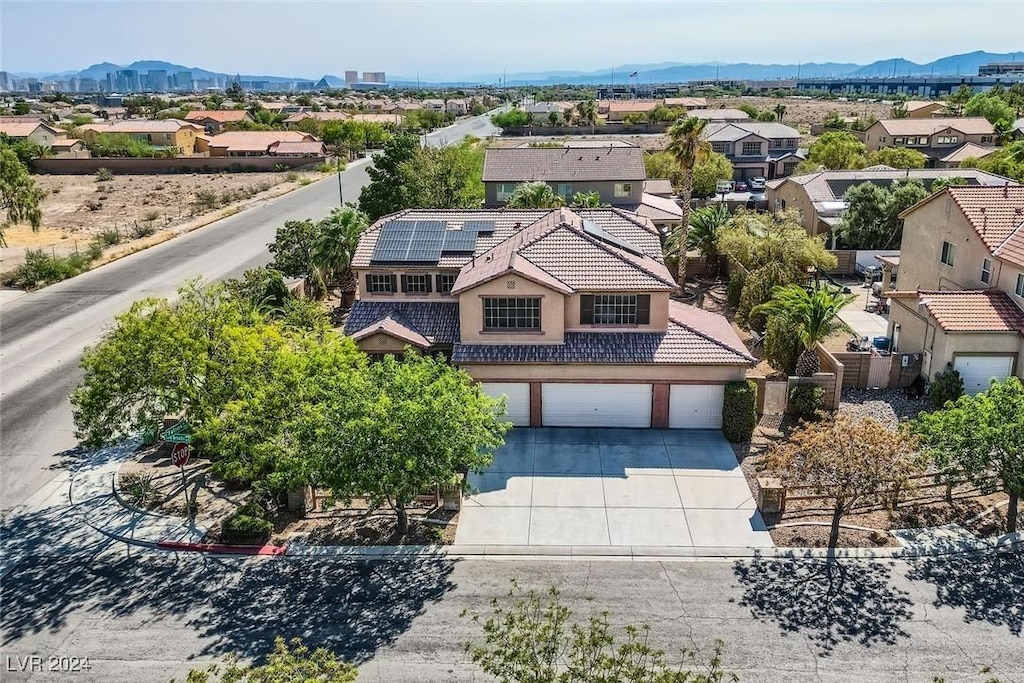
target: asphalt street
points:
(42, 334)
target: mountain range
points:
(665, 72)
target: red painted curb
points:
(268, 549)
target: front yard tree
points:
(810, 316)
(982, 436)
(688, 146)
(387, 191)
(835, 150)
(19, 196)
(846, 460)
(897, 157)
(418, 423)
(294, 249)
(872, 220)
(335, 244)
(289, 661)
(533, 638)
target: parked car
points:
(757, 184)
(739, 186)
(723, 187)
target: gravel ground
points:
(889, 406)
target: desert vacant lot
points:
(78, 208)
(802, 113)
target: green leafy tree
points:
(811, 316)
(846, 460)
(897, 157)
(387, 191)
(586, 200)
(533, 638)
(944, 182)
(264, 289)
(19, 196)
(872, 219)
(1007, 161)
(21, 108)
(419, 422)
(288, 662)
(294, 249)
(993, 108)
(663, 165)
(535, 195)
(335, 245)
(513, 118)
(585, 114)
(982, 436)
(688, 146)
(899, 110)
(711, 168)
(445, 177)
(835, 150)
(958, 99)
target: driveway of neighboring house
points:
(612, 487)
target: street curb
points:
(223, 548)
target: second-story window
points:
(751, 149)
(615, 309)
(718, 147)
(1019, 289)
(512, 313)
(418, 283)
(791, 143)
(378, 283)
(623, 189)
(986, 270)
(948, 253)
(505, 191)
(947, 140)
(445, 282)
(986, 139)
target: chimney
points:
(984, 220)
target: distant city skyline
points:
(476, 40)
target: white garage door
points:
(517, 400)
(977, 371)
(596, 405)
(695, 406)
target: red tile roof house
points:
(564, 312)
(960, 297)
(213, 120)
(253, 143)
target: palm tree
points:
(688, 147)
(703, 234)
(810, 314)
(586, 200)
(586, 112)
(780, 111)
(336, 245)
(535, 195)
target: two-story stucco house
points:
(614, 172)
(756, 149)
(214, 120)
(938, 139)
(29, 128)
(960, 302)
(162, 133)
(564, 312)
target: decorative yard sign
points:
(179, 432)
(180, 454)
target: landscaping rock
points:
(888, 406)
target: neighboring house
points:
(31, 129)
(253, 143)
(432, 105)
(213, 120)
(819, 196)
(383, 119)
(1017, 130)
(541, 111)
(69, 148)
(756, 149)
(617, 110)
(317, 116)
(161, 133)
(935, 138)
(309, 148)
(719, 114)
(686, 102)
(615, 173)
(918, 109)
(457, 106)
(660, 187)
(960, 301)
(968, 151)
(564, 312)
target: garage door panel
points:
(596, 405)
(978, 371)
(517, 399)
(695, 406)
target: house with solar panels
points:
(565, 313)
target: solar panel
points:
(479, 226)
(592, 229)
(422, 241)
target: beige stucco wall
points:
(659, 314)
(948, 346)
(552, 312)
(795, 197)
(556, 372)
(42, 136)
(400, 295)
(926, 112)
(382, 343)
(875, 138)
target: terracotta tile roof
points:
(523, 164)
(257, 140)
(436, 321)
(711, 325)
(630, 105)
(988, 310)
(969, 125)
(394, 119)
(319, 116)
(967, 151)
(658, 208)
(219, 115)
(141, 126)
(61, 143)
(694, 342)
(997, 215)
(393, 327)
(659, 186)
(307, 147)
(24, 128)
(688, 102)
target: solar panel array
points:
(594, 230)
(424, 241)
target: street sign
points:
(180, 454)
(179, 432)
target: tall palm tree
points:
(535, 195)
(780, 111)
(586, 112)
(336, 245)
(688, 147)
(812, 315)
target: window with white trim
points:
(505, 191)
(751, 149)
(1019, 289)
(512, 313)
(718, 147)
(986, 270)
(986, 139)
(946, 140)
(948, 254)
(623, 189)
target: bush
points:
(947, 386)
(239, 528)
(41, 268)
(151, 216)
(735, 290)
(206, 199)
(291, 177)
(93, 204)
(326, 167)
(104, 174)
(143, 230)
(109, 237)
(782, 345)
(739, 411)
(805, 401)
(139, 490)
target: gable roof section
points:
(257, 140)
(831, 185)
(435, 322)
(24, 128)
(968, 150)
(566, 164)
(968, 125)
(142, 126)
(737, 130)
(219, 115)
(997, 215)
(987, 310)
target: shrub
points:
(281, 168)
(782, 345)
(805, 401)
(947, 386)
(41, 268)
(291, 177)
(104, 174)
(735, 290)
(228, 196)
(328, 168)
(206, 199)
(739, 411)
(143, 230)
(93, 204)
(239, 528)
(109, 237)
(305, 181)
(139, 489)
(151, 216)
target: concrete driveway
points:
(612, 487)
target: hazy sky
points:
(462, 39)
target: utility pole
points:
(341, 190)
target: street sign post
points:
(179, 458)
